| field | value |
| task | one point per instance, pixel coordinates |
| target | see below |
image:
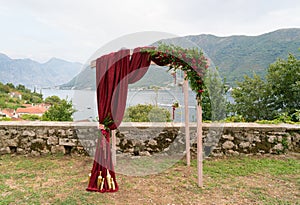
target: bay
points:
(84, 101)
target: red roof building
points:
(7, 112)
(35, 110)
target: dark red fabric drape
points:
(113, 74)
(138, 60)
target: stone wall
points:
(38, 138)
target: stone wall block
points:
(278, 148)
(14, 132)
(68, 142)
(21, 151)
(35, 153)
(38, 144)
(4, 132)
(61, 133)
(228, 137)
(4, 150)
(51, 132)
(256, 139)
(272, 138)
(42, 133)
(232, 152)
(25, 142)
(52, 140)
(244, 145)
(45, 151)
(12, 142)
(228, 145)
(69, 132)
(239, 136)
(28, 133)
(152, 143)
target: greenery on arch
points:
(190, 60)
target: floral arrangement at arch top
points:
(192, 61)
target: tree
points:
(52, 100)
(32, 97)
(146, 113)
(4, 88)
(252, 99)
(283, 77)
(206, 105)
(10, 85)
(213, 98)
(21, 87)
(35, 98)
(278, 97)
(61, 111)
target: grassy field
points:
(233, 180)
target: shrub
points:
(146, 113)
(30, 117)
(61, 111)
(5, 119)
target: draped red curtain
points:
(113, 74)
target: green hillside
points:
(234, 55)
(240, 55)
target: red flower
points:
(200, 91)
(104, 132)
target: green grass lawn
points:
(231, 180)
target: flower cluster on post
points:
(192, 61)
(104, 127)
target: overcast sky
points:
(74, 29)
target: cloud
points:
(75, 29)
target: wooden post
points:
(199, 146)
(114, 147)
(187, 128)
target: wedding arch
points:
(114, 72)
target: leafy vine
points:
(192, 61)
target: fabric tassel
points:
(108, 179)
(112, 184)
(102, 184)
(99, 181)
(89, 178)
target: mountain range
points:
(234, 56)
(34, 74)
(155, 76)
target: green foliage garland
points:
(192, 61)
